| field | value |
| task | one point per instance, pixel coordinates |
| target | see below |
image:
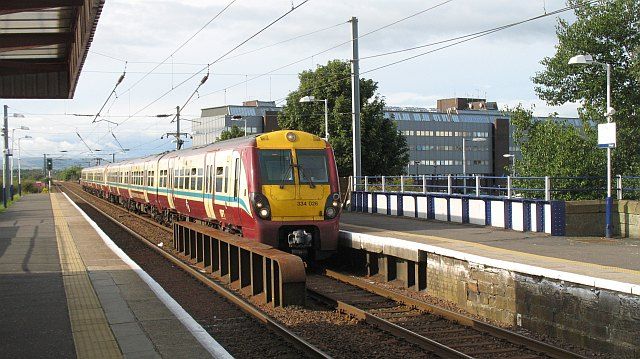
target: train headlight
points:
(291, 137)
(261, 205)
(332, 206)
(330, 212)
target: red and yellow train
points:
(279, 188)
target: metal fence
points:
(547, 188)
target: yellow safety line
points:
(92, 335)
(485, 247)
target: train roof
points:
(240, 142)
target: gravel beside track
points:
(338, 335)
(462, 338)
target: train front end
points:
(296, 199)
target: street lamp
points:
(238, 117)
(588, 60)
(19, 170)
(513, 162)
(464, 158)
(326, 113)
(13, 137)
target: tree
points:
(607, 30)
(70, 173)
(384, 149)
(232, 133)
(554, 147)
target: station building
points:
(260, 116)
(434, 135)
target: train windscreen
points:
(275, 166)
(312, 165)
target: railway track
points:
(437, 330)
(429, 328)
(233, 317)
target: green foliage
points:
(233, 133)
(29, 186)
(384, 149)
(555, 148)
(608, 30)
(70, 174)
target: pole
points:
(355, 97)
(5, 180)
(608, 232)
(11, 191)
(19, 175)
(178, 140)
(245, 124)
(113, 157)
(326, 120)
(464, 164)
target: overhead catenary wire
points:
(420, 12)
(183, 44)
(81, 139)
(120, 79)
(293, 8)
(463, 39)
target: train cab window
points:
(312, 166)
(219, 178)
(275, 166)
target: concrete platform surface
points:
(609, 259)
(67, 293)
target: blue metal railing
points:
(548, 188)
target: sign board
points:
(607, 135)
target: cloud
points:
(136, 31)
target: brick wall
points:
(603, 320)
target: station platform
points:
(67, 291)
(595, 259)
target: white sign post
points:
(607, 135)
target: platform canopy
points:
(43, 45)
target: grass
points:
(16, 197)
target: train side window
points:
(219, 178)
(194, 179)
(200, 179)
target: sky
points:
(137, 35)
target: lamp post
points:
(113, 154)
(588, 60)
(513, 162)
(19, 169)
(326, 113)
(464, 158)
(238, 117)
(13, 137)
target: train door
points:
(209, 185)
(234, 195)
(171, 183)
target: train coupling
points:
(300, 239)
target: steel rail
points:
(492, 330)
(430, 345)
(288, 335)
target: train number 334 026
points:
(307, 203)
